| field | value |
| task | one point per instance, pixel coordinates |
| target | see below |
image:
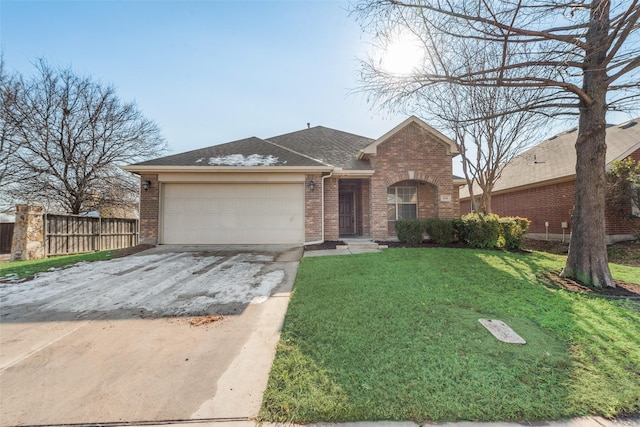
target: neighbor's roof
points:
(555, 158)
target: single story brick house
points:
(307, 186)
(539, 184)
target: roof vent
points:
(628, 125)
(308, 125)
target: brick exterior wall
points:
(621, 224)
(313, 209)
(553, 203)
(149, 210)
(331, 231)
(412, 154)
(366, 207)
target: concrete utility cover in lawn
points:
(502, 331)
(140, 339)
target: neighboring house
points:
(539, 184)
(308, 186)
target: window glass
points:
(391, 195)
(407, 211)
(407, 194)
(391, 212)
(402, 203)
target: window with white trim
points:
(402, 203)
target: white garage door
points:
(232, 213)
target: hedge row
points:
(476, 230)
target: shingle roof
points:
(316, 146)
(329, 146)
(555, 158)
(245, 152)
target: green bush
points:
(479, 230)
(489, 231)
(410, 231)
(513, 230)
(439, 230)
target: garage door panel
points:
(232, 213)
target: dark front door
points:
(346, 213)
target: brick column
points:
(28, 233)
(365, 191)
(331, 230)
(379, 223)
(313, 209)
(149, 210)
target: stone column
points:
(28, 233)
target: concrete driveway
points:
(138, 339)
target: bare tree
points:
(584, 55)
(486, 139)
(71, 135)
(9, 171)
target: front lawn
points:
(395, 336)
(24, 269)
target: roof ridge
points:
(295, 152)
(322, 128)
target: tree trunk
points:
(587, 261)
(487, 202)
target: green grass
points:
(395, 336)
(23, 269)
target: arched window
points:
(402, 202)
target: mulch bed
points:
(424, 244)
(622, 290)
(329, 244)
(550, 246)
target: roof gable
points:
(372, 149)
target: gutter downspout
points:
(317, 242)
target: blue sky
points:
(207, 72)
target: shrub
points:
(489, 231)
(479, 230)
(513, 230)
(410, 231)
(439, 230)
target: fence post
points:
(45, 232)
(99, 233)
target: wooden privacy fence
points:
(72, 234)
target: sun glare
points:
(402, 55)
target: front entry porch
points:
(353, 208)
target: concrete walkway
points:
(358, 245)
